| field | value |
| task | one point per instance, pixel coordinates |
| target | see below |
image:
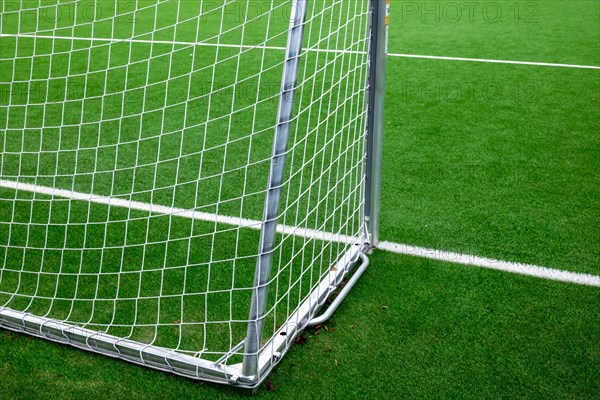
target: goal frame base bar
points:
(181, 364)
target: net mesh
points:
(136, 140)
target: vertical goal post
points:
(184, 184)
(376, 117)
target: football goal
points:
(187, 184)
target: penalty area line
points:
(397, 248)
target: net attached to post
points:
(136, 144)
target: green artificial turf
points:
(411, 328)
(493, 160)
(549, 31)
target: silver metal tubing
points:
(138, 353)
(375, 119)
(281, 340)
(343, 293)
(268, 233)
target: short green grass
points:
(494, 160)
(411, 328)
(523, 30)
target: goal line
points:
(174, 211)
(397, 248)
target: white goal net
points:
(182, 183)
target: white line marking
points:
(482, 262)
(456, 258)
(261, 47)
(180, 43)
(483, 60)
(177, 212)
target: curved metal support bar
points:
(342, 295)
